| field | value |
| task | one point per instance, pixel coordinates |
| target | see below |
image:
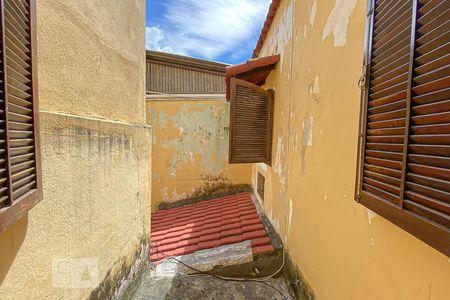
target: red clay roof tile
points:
(262, 249)
(206, 225)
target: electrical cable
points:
(224, 278)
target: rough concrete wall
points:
(92, 57)
(343, 250)
(94, 219)
(190, 145)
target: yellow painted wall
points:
(190, 146)
(95, 153)
(343, 250)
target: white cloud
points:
(208, 28)
(154, 37)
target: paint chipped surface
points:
(203, 135)
(172, 195)
(314, 89)
(307, 140)
(370, 215)
(163, 119)
(281, 34)
(279, 154)
(338, 20)
(178, 196)
(312, 13)
(262, 166)
(290, 216)
(307, 130)
(190, 143)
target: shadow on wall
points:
(10, 243)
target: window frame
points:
(435, 235)
(20, 206)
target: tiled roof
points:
(269, 19)
(254, 70)
(208, 224)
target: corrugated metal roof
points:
(180, 60)
(175, 74)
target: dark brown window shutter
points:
(251, 122)
(19, 149)
(404, 152)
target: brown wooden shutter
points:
(251, 122)
(404, 155)
(20, 161)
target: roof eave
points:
(267, 24)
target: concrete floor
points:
(199, 287)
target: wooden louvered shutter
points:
(251, 122)
(19, 163)
(404, 154)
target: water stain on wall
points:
(191, 149)
(203, 133)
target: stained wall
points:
(190, 147)
(343, 250)
(93, 221)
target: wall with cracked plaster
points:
(190, 143)
(343, 250)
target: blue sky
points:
(219, 30)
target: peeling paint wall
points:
(190, 146)
(93, 222)
(343, 250)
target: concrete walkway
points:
(173, 279)
(199, 287)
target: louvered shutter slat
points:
(405, 146)
(14, 23)
(20, 15)
(20, 102)
(383, 171)
(429, 182)
(403, 20)
(17, 33)
(21, 131)
(431, 75)
(4, 178)
(417, 189)
(387, 99)
(250, 123)
(19, 76)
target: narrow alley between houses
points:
(225, 149)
